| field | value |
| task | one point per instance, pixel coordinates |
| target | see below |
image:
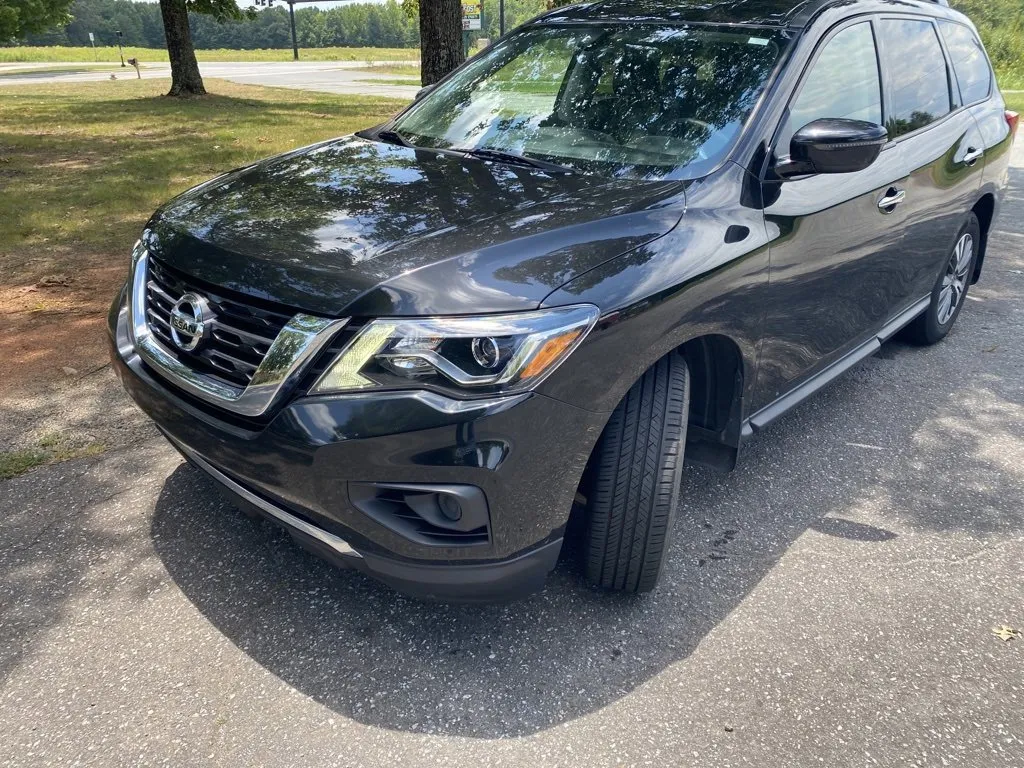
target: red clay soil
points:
(53, 330)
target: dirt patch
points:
(53, 330)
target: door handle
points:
(973, 155)
(892, 198)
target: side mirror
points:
(424, 91)
(834, 145)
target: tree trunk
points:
(185, 78)
(440, 38)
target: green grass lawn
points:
(51, 449)
(85, 164)
(1015, 101)
(406, 70)
(391, 81)
(110, 54)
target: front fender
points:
(708, 276)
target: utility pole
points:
(295, 42)
(291, 17)
(501, 18)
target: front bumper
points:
(525, 453)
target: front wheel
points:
(950, 291)
(636, 476)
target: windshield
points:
(641, 101)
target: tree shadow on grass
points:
(86, 174)
(215, 109)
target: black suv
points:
(626, 235)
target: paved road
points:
(830, 603)
(329, 76)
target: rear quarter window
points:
(970, 64)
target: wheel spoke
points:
(945, 305)
(954, 282)
(964, 252)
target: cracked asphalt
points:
(829, 603)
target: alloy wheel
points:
(954, 283)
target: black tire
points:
(635, 482)
(934, 323)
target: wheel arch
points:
(717, 380)
(718, 374)
(718, 377)
(985, 210)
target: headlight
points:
(488, 353)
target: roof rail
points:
(938, 2)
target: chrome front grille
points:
(239, 336)
(240, 355)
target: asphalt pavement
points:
(349, 77)
(832, 602)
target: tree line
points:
(1001, 24)
(373, 25)
(433, 25)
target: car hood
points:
(357, 227)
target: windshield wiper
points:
(501, 156)
(390, 136)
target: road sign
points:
(470, 15)
(92, 38)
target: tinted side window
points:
(842, 82)
(915, 70)
(969, 61)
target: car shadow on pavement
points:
(839, 470)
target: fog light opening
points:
(435, 514)
(450, 507)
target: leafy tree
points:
(185, 78)
(394, 23)
(1001, 23)
(355, 24)
(21, 17)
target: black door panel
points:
(835, 268)
(835, 238)
(942, 187)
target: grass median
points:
(84, 165)
(61, 53)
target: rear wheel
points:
(950, 291)
(636, 477)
